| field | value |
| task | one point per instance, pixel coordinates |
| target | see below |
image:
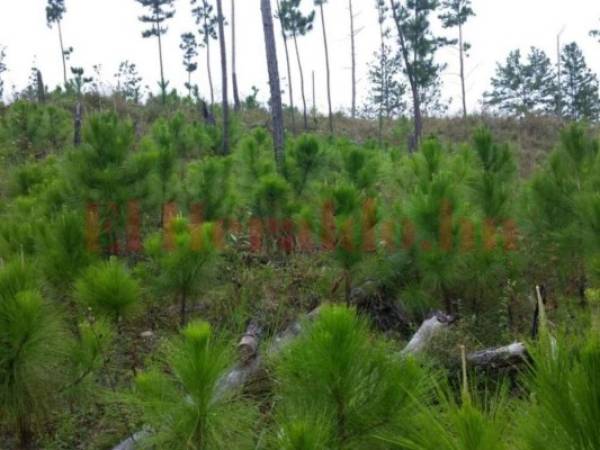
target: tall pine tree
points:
(579, 86)
(55, 10)
(524, 87)
(273, 69)
(418, 46)
(159, 12)
(454, 15)
(285, 38)
(189, 46)
(224, 90)
(297, 24)
(206, 19)
(319, 4)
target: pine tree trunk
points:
(301, 82)
(183, 308)
(62, 50)
(384, 90)
(462, 70)
(224, 77)
(41, 89)
(353, 47)
(289, 73)
(275, 103)
(77, 124)
(163, 87)
(236, 94)
(410, 71)
(327, 70)
(314, 100)
(209, 71)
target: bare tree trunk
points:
(462, 70)
(353, 47)
(410, 71)
(236, 94)
(301, 82)
(327, 70)
(384, 91)
(41, 89)
(289, 72)
(163, 86)
(77, 124)
(62, 52)
(209, 71)
(221, 20)
(314, 99)
(274, 85)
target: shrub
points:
(208, 183)
(341, 389)
(63, 250)
(565, 395)
(180, 259)
(108, 288)
(32, 345)
(182, 399)
(305, 155)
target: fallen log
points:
(500, 357)
(429, 329)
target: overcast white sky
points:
(107, 31)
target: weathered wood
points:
(131, 441)
(499, 357)
(429, 329)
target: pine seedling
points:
(339, 383)
(305, 155)
(109, 289)
(208, 185)
(182, 398)
(181, 259)
(32, 356)
(63, 251)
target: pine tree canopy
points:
(420, 44)
(190, 51)
(160, 11)
(523, 87)
(580, 86)
(293, 21)
(55, 10)
(455, 12)
(206, 19)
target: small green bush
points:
(182, 399)
(338, 388)
(108, 288)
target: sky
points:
(106, 32)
